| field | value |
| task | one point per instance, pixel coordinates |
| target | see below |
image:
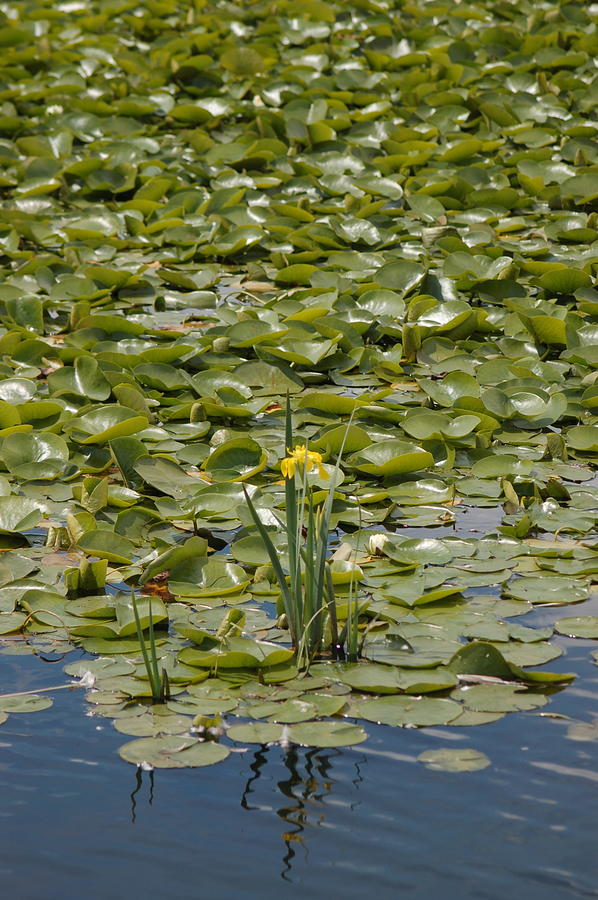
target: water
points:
(79, 822)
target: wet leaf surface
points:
(448, 760)
(386, 216)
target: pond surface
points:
(319, 823)
(382, 216)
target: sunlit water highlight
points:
(77, 821)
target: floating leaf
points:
(242, 216)
(107, 545)
(564, 280)
(449, 760)
(407, 711)
(105, 424)
(237, 653)
(11, 621)
(583, 437)
(327, 734)
(500, 698)
(578, 626)
(551, 589)
(256, 733)
(377, 679)
(26, 703)
(482, 658)
(35, 456)
(18, 514)
(173, 752)
(236, 460)
(153, 725)
(392, 457)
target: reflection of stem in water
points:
(259, 761)
(314, 785)
(138, 783)
(137, 788)
(297, 808)
(358, 780)
(297, 814)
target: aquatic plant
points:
(158, 678)
(408, 237)
(307, 591)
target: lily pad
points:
(152, 725)
(256, 733)
(454, 760)
(236, 460)
(407, 711)
(392, 457)
(105, 424)
(327, 734)
(499, 698)
(396, 231)
(25, 703)
(171, 752)
(578, 626)
(18, 514)
(35, 456)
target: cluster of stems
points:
(307, 592)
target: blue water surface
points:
(371, 821)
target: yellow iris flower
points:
(301, 456)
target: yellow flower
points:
(301, 456)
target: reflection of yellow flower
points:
(301, 456)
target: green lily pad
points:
(85, 377)
(327, 734)
(392, 457)
(552, 589)
(499, 698)
(11, 621)
(578, 626)
(102, 667)
(475, 717)
(325, 705)
(237, 653)
(583, 437)
(482, 658)
(193, 548)
(256, 733)
(35, 456)
(107, 545)
(18, 514)
(530, 654)
(152, 725)
(402, 275)
(419, 551)
(564, 280)
(171, 752)
(236, 460)
(105, 424)
(202, 706)
(454, 760)
(26, 703)
(417, 712)
(372, 678)
(198, 577)
(243, 216)
(293, 710)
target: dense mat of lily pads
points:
(387, 211)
